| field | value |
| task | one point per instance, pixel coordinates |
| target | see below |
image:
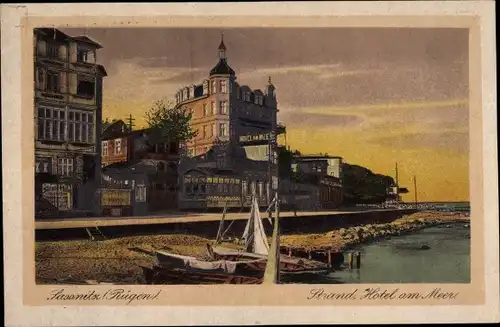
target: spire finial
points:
(270, 80)
(222, 47)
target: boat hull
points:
(176, 276)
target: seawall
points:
(207, 227)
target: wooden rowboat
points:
(177, 276)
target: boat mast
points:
(271, 274)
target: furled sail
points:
(272, 272)
(254, 235)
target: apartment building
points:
(68, 86)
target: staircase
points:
(95, 234)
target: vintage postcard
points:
(180, 164)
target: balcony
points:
(280, 128)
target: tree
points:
(171, 121)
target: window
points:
(213, 108)
(140, 193)
(247, 96)
(223, 86)
(118, 146)
(65, 166)
(205, 87)
(40, 80)
(223, 129)
(105, 149)
(244, 188)
(86, 86)
(81, 55)
(43, 165)
(80, 126)
(52, 50)
(204, 135)
(214, 87)
(51, 124)
(223, 107)
(205, 110)
(53, 84)
(213, 130)
(238, 91)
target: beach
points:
(118, 260)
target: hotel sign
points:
(210, 180)
(256, 137)
(115, 197)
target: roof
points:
(138, 132)
(49, 33)
(212, 171)
(86, 39)
(103, 71)
(222, 68)
(303, 157)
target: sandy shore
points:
(116, 261)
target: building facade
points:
(142, 162)
(223, 110)
(325, 172)
(68, 86)
(235, 151)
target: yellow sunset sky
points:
(374, 96)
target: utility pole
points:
(130, 122)
(397, 185)
(415, 187)
(270, 172)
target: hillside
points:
(362, 186)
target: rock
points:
(424, 247)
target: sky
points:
(374, 96)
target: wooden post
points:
(329, 254)
(309, 254)
(358, 260)
(349, 260)
(290, 252)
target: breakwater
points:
(371, 232)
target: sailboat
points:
(257, 248)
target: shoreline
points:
(344, 239)
(117, 260)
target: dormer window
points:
(247, 96)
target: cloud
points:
(448, 141)
(320, 120)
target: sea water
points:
(402, 259)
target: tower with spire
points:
(224, 110)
